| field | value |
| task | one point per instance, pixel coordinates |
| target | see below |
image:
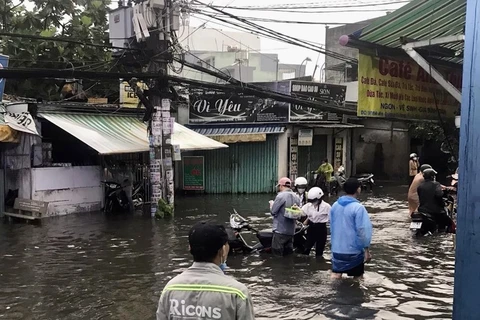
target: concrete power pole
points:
(162, 124)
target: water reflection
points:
(90, 267)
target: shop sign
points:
(392, 88)
(293, 163)
(3, 64)
(128, 97)
(228, 108)
(193, 173)
(321, 93)
(305, 137)
(21, 122)
(338, 153)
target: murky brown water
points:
(90, 267)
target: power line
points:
(272, 34)
(316, 5)
(56, 39)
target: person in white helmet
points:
(413, 165)
(318, 213)
(301, 188)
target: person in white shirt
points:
(318, 213)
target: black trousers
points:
(316, 235)
(282, 245)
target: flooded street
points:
(91, 267)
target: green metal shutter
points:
(243, 167)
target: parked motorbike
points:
(339, 180)
(116, 199)
(366, 180)
(138, 195)
(237, 243)
(425, 224)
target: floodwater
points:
(91, 267)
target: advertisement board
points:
(401, 89)
(228, 108)
(322, 93)
(194, 173)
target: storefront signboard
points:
(305, 137)
(389, 88)
(193, 173)
(229, 108)
(322, 93)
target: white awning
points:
(113, 134)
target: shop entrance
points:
(310, 158)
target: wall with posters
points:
(390, 88)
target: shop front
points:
(255, 131)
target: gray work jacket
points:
(203, 291)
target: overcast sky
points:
(289, 53)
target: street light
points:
(307, 59)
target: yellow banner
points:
(402, 89)
(127, 95)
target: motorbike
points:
(138, 195)
(366, 180)
(239, 224)
(425, 224)
(116, 199)
(339, 180)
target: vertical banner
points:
(393, 88)
(194, 173)
(3, 64)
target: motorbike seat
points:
(266, 233)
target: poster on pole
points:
(194, 173)
(395, 88)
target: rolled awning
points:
(239, 133)
(115, 134)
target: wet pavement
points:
(92, 267)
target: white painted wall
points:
(68, 189)
(352, 91)
(283, 153)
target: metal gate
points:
(243, 167)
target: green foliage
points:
(164, 210)
(79, 20)
(428, 131)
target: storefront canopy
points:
(239, 133)
(113, 134)
(419, 20)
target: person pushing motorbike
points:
(412, 191)
(430, 195)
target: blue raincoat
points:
(351, 232)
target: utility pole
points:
(162, 124)
(467, 258)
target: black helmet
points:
(424, 167)
(429, 174)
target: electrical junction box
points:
(120, 25)
(175, 17)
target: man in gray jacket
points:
(283, 227)
(203, 291)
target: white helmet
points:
(413, 155)
(301, 181)
(315, 193)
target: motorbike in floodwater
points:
(239, 224)
(116, 199)
(138, 195)
(366, 180)
(425, 224)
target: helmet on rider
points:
(429, 174)
(424, 167)
(301, 184)
(315, 194)
(413, 155)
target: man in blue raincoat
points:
(351, 233)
